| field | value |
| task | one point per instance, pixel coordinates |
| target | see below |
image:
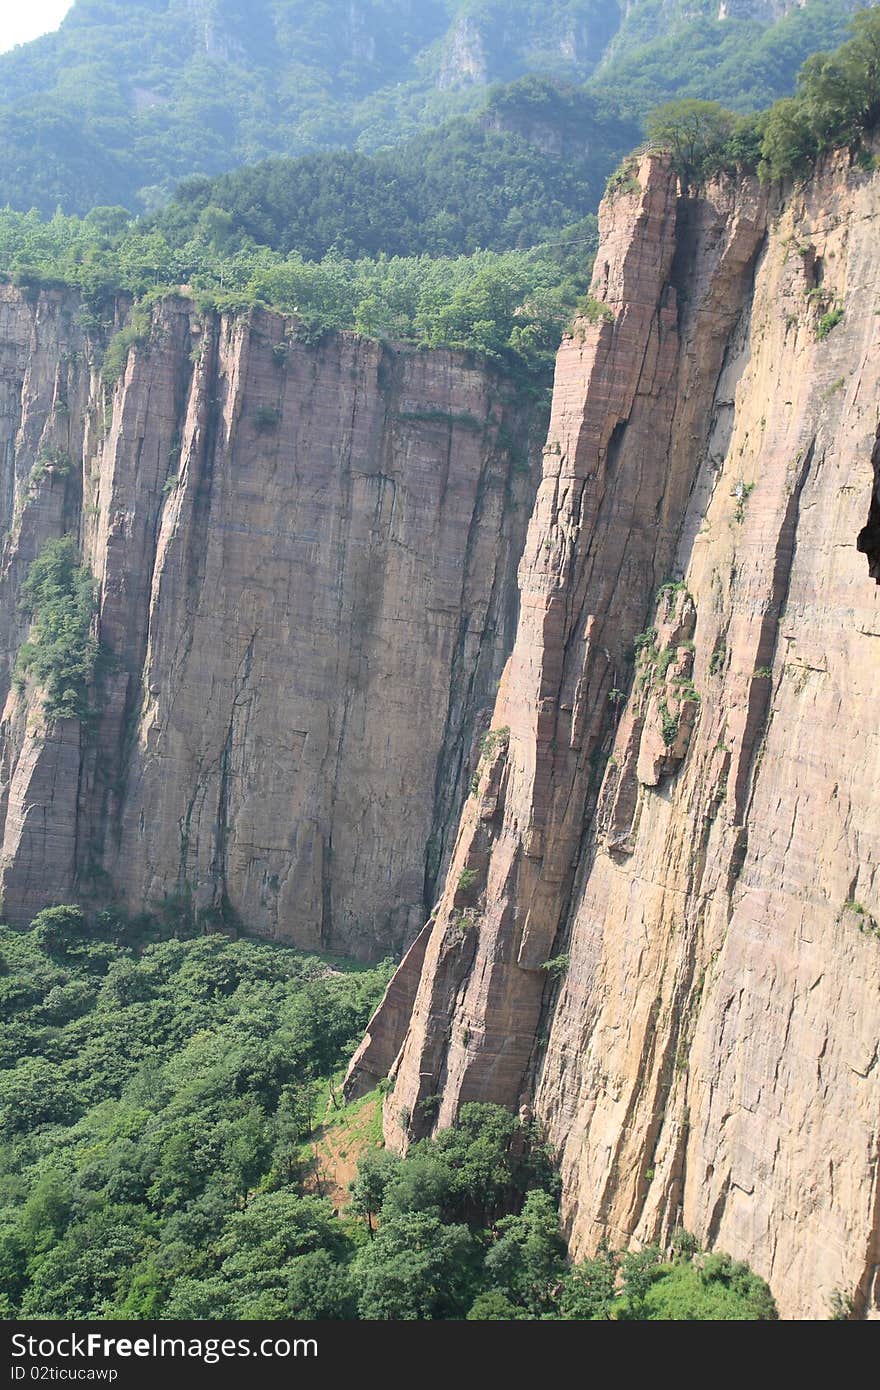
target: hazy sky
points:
(22, 21)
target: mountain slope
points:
(126, 98)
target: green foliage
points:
(588, 1291)
(492, 741)
(128, 98)
(61, 652)
(556, 966)
(661, 54)
(132, 95)
(663, 662)
(494, 1306)
(150, 1096)
(639, 1269)
(150, 1099)
(668, 724)
(527, 1260)
(377, 1170)
(828, 321)
(695, 132)
(624, 179)
(416, 1267)
(708, 1288)
(135, 333)
(842, 1306)
(836, 104)
(50, 462)
(476, 183)
(867, 923)
(510, 307)
(718, 659)
(489, 745)
(742, 492)
(59, 931)
(593, 310)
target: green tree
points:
(695, 132)
(318, 1287)
(639, 1269)
(377, 1170)
(788, 146)
(495, 1306)
(416, 1267)
(59, 931)
(528, 1259)
(589, 1289)
(711, 1288)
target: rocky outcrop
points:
(657, 930)
(306, 560)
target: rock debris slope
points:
(659, 931)
(306, 561)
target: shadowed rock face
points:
(869, 537)
(680, 798)
(306, 564)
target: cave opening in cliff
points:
(868, 542)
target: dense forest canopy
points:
(475, 183)
(159, 1097)
(508, 306)
(130, 96)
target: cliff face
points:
(306, 567)
(678, 801)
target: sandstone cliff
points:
(306, 561)
(659, 930)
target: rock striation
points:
(306, 559)
(658, 929)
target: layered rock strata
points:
(305, 558)
(659, 932)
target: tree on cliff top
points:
(692, 130)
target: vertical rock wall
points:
(306, 562)
(678, 804)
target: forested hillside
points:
(128, 98)
(160, 1106)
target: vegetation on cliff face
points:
(61, 650)
(130, 96)
(156, 1103)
